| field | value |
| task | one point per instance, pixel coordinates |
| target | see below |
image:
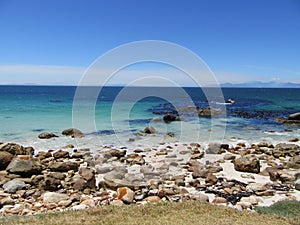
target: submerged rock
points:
(73, 132)
(149, 130)
(46, 135)
(295, 116)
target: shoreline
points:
(239, 176)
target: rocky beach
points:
(241, 175)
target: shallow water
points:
(26, 111)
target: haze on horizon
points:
(54, 42)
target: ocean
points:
(119, 113)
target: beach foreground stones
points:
(240, 176)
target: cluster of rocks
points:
(239, 176)
(72, 132)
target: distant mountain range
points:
(259, 84)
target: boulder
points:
(5, 159)
(149, 130)
(16, 149)
(46, 135)
(73, 132)
(125, 194)
(13, 186)
(214, 148)
(25, 166)
(63, 166)
(294, 162)
(295, 116)
(256, 187)
(61, 154)
(49, 184)
(50, 197)
(116, 153)
(247, 163)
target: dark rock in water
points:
(294, 140)
(5, 159)
(247, 163)
(61, 154)
(16, 149)
(295, 116)
(63, 166)
(46, 135)
(168, 118)
(73, 132)
(149, 130)
(208, 112)
(24, 166)
(13, 186)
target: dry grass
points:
(175, 213)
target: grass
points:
(167, 213)
(282, 208)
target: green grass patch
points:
(288, 209)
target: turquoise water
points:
(26, 111)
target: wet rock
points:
(168, 118)
(53, 197)
(61, 154)
(25, 166)
(68, 146)
(73, 132)
(208, 112)
(5, 159)
(13, 186)
(295, 116)
(16, 149)
(149, 130)
(46, 135)
(125, 194)
(63, 166)
(294, 140)
(247, 163)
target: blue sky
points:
(53, 42)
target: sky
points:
(54, 41)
